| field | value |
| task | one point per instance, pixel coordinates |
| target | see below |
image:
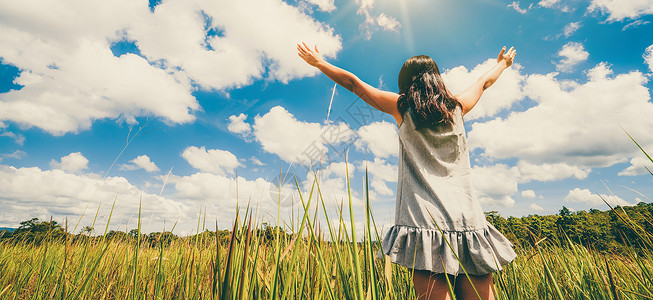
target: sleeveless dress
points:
(435, 201)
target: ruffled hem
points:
(480, 252)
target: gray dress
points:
(436, 202)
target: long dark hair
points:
(423, 93)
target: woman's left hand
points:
(311, 57)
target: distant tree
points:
(566, 222)
(33, 222)
(86, 230)
(541, 227)
(165, 238)
(496, 220)
(564, 212)
(5, 233)
(117, 235)
(35, 231)
(134, 234)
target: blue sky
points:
(187, 96)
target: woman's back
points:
(434, 177)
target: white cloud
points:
(256, 161)
(32, 192)
(372, 23)
(380, 173)
(567, 31)
(338, 169)
(237, 125)
(648, 57)
(380, 138)
(515, 6)
(250, 33)
(502, 95)
(535, 207)
(18, 154)
(498, 183)
(215, 161)
(548, 3)
(220, 190)
(140, 162)
(571, 28)
(73, 162)
(637, 166)
(634, 24)
(571, 55)
(549, 172)
(70, 77)
(323, 5)
(528, 194)
(495, 184)
(220, 195)
(618, 10)
(89, 84)
(18, 138)
(554, 4)
(584, 195)
(333, 184)
(280, 133)
(572, 128)
(572, 123)
(365, 5)
(387, 23)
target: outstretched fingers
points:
(503, 50)
(301, 49)
(308, 49)
(508, 56)
(511, 54)
(309, 56)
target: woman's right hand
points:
(473, 93)
(507, 57)
(311, 57)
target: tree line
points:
(35, 232)
(614, 230)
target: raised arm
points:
(473, 93)
(382, 100)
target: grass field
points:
(293, 269)
(259, 263)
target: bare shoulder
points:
(390, 100)
(469, 98)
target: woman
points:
(440, 227)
